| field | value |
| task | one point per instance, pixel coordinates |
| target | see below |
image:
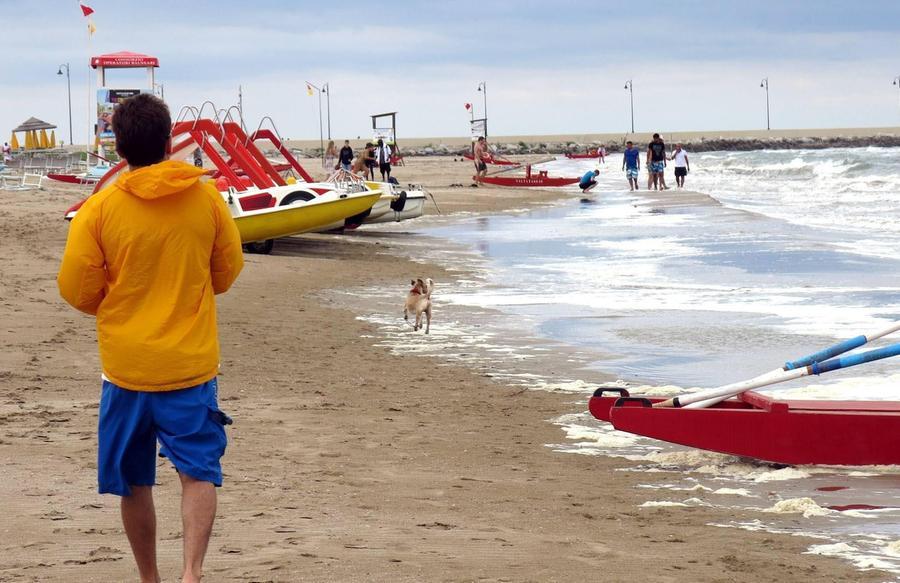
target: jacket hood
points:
(159, 180)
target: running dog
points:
(418, 301)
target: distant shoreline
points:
(704, 141)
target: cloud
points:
(551, 67)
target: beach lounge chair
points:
(23, 182)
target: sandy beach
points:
(346, 462)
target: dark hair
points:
(143, 126)
(480, 138)
(630, 142)
(655, 136)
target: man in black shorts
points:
(682, 165)
(480, 153)
(383, 156)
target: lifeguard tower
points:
(109, 97)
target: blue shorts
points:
(631, 172)
(187, 423)
(657, 167)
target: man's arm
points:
(227, 257)
(82, 274)
(687, 164)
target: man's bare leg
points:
(139, 520)
(198, 511)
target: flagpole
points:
(87, 156)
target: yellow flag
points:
(91, 28)
(309, 89)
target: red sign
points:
(124, 60)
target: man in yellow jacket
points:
(146, 255)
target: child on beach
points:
(146, 255)
(631, 164)
(601, 154)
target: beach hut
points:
(33, 140)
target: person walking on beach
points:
(656, 164)
(481, 156)
(383, 155)
(330, 155)
(369, 153)
(198, 157)
(682, 166)
(601, 154)
(631, 164)
(345, 157)
(146, 255)
(589, 180)
(7, 152)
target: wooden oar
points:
(787, 372)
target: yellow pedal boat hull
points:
(294, 219)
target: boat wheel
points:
(260, 247)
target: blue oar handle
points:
(854, 359)
(825, 354)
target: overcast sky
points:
(554, 66)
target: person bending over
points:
(146, 255)
(588, 181)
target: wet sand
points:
(346, 463)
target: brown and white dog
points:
(418, 301)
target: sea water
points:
(785, 252)
(790, 252)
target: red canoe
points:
(73, 178)
(848, 433)
(580, 156)
(492, 160)
(530, 179)
(533, 180)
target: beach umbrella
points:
(14, 142)
(29, 144)
(45, 141)
(52, 138)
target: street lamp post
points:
(326, 89)
(482, 87)
(69, 88)
(629, 85)
(765, 84)
(321, 134)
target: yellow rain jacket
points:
(145, 255)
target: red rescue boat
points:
(757, 426)
(530, 179)
(572, 156)
(73, 178)
(491, 160)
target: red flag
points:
(86, 10)
(468, 106)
